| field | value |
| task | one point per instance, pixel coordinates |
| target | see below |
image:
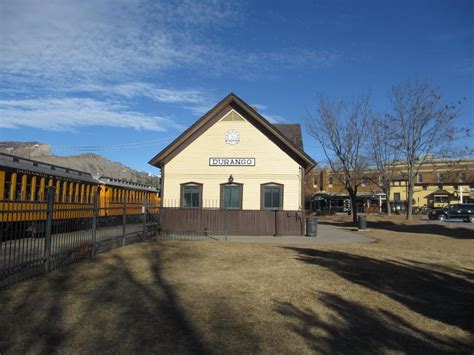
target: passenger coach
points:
(24, 183)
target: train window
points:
(29, 185)
(7, 186)
(19, 180)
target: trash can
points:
(311, 226)
(362, 221)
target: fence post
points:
(144, 217)
(49, 227)
(124, 219)
(94, 222)
(276, 223)
(225, 223)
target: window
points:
(29, 184)
(7, 188)
(271, 196)
(191, 195)
(462, 176)
(315, 181)
(231, 196)
(396, 196)
(441, 199)
(440, 177)
(330, 180)
(19, 180)
(425, 187)
(420, 178)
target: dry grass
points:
(409, 292)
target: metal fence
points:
(38, 237)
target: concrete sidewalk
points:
(326, 235)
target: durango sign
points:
(231, 161)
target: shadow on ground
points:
(354, 328)
(117, 309)
(460, 232)
(442, 294)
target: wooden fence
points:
(231, 222)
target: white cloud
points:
(65, 40)
(66, 64)
(262, 109)
(64, 114)
(143, 89)
(121, 40)
(274, 118)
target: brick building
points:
(438, 183)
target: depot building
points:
(233, 167)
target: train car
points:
(114, 193)
(325, 204)
(24, 182)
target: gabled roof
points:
(292, 146)
(292, 132)
(440, 193)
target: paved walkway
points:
(326, 235)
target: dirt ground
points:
(411, 292)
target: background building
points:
(438, 183)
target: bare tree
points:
(342, 129)
(384, 155)
(421, 127)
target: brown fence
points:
(221, 222)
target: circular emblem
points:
(232, 137)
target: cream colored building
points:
(438, 184)
(233, 158)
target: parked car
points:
(456, 211)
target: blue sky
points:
(126, 77)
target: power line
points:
(116, 146)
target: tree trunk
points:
(353, 207)
(410, 197)
(387, 205)
(387, 200)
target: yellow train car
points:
(117, 195)
(24, 183)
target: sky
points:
(123, 78)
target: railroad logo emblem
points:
(232, 137)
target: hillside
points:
(91, 163)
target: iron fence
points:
(38, 237)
